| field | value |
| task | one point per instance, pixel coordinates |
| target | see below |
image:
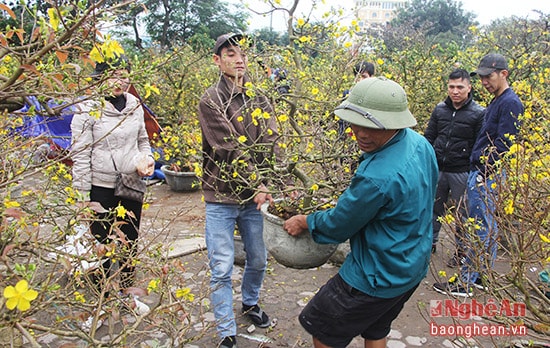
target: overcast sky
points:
(486, 10)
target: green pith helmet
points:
(376, 102)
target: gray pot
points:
(240, 254)
(294, 252)
(340, 254)
(181, 181)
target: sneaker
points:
(453, 289)
(87, 324)
(480, 283)
(228, 342)
(256, 315)
(139, 307)
(455, 261)
(132, 304)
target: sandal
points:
(256, 315)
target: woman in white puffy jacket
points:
(109, 133)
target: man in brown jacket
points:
(236, 145)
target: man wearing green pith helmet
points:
(386, 213)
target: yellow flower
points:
(283, 118)
(314, 187)
(443, 274)
(109, 49)
(96, 55)
(544, 238)
(19, 296)
(449, 218)
(347, 44)
(256, 113)
(150, 89)
(509, 208)
(153, 285)
(300, 22)
(379, 61)
(79, 297)
(240, 118)
(120, 211)
(186, 294)
(315, 90)
(11, 204)
(242, 139)
(112, 48)
(54, 19)
(453, 278)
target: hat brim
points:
(389, 119)
(483, 71)
(234, 39)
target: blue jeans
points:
(221, 220)
(481, 207)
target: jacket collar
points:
(449, 102)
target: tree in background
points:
(441, 21)
(173, 22)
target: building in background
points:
(375, 13)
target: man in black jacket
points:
(452, 131)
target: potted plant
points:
(295, 252)
(178, 148)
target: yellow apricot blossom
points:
(120, 211)
(509, 208)
(153, 285)
(283, 118)
(53, 18)
(19, 296)
(150, 89)
(11, 204)
(109, 49)
(186, 294)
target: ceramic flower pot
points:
(181, 181)
(294, 252)
(240, 254)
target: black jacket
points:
(453, 132)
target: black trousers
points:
(103, 231)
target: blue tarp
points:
(55, 128)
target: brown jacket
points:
(237, 142)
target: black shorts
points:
(339, 312)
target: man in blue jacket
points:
(386, 213)
(501, 122)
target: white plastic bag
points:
(80, 248)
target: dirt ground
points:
(287, 290)
(177, 218)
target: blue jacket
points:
(386, 213)
(501, 120)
